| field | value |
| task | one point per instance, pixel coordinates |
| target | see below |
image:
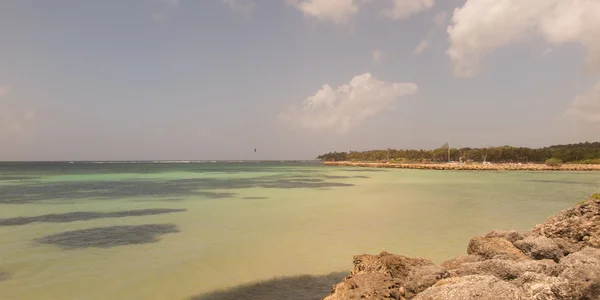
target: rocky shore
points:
(558, 259)
(472, 167)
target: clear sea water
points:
(251, 230)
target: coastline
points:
(466, 167)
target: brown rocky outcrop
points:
(557, 260)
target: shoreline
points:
(466, 167)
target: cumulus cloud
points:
(586, 107)
(349, 105)
(337, 11)
(402, 9)
(482, 26)
(439, 21)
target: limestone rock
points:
(566, 246)
(582, 271)
(578, 225)
(506, 269)
(472, 287)
(459, 261)
(509, 235)
(542, 287)
(540, 247)
(494, 247)
(397, 266)
(387, 276)
(367, 285)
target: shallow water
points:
(211, 231)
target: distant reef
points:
(558, 259)
(582, 153)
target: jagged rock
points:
(367, 285)
(540, 247)
(459, 261)
(542, 287)
(387, 276)
(582, 271)
(472, 287)
(506, 269)
(397, 266)
(567, 247)
(509, 235)
(494, 247)
(578, 225)
(422, 277)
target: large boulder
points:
(472, 287)
(578, 225)
(459, 261)
(540, 247)
(567, 247)
(387, 276)
(542, 287)
(494, 247)
(506, 269)
(509, 235)
(582, 271)
(367, 285)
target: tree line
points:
(571, 153)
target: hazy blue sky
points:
(214, 79)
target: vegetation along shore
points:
(572, 157)
(558, 259)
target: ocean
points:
(244, 230)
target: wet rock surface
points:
(557, 260)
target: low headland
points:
(572, 157)
(558, 259)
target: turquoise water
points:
(207, 230)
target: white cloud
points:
(377, 56)
(439, 21)
(337, 11)
(349, 105)
(402, 9)
(482, 26)
(586, 107)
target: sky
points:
(215, 79)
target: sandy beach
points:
(470, 167)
